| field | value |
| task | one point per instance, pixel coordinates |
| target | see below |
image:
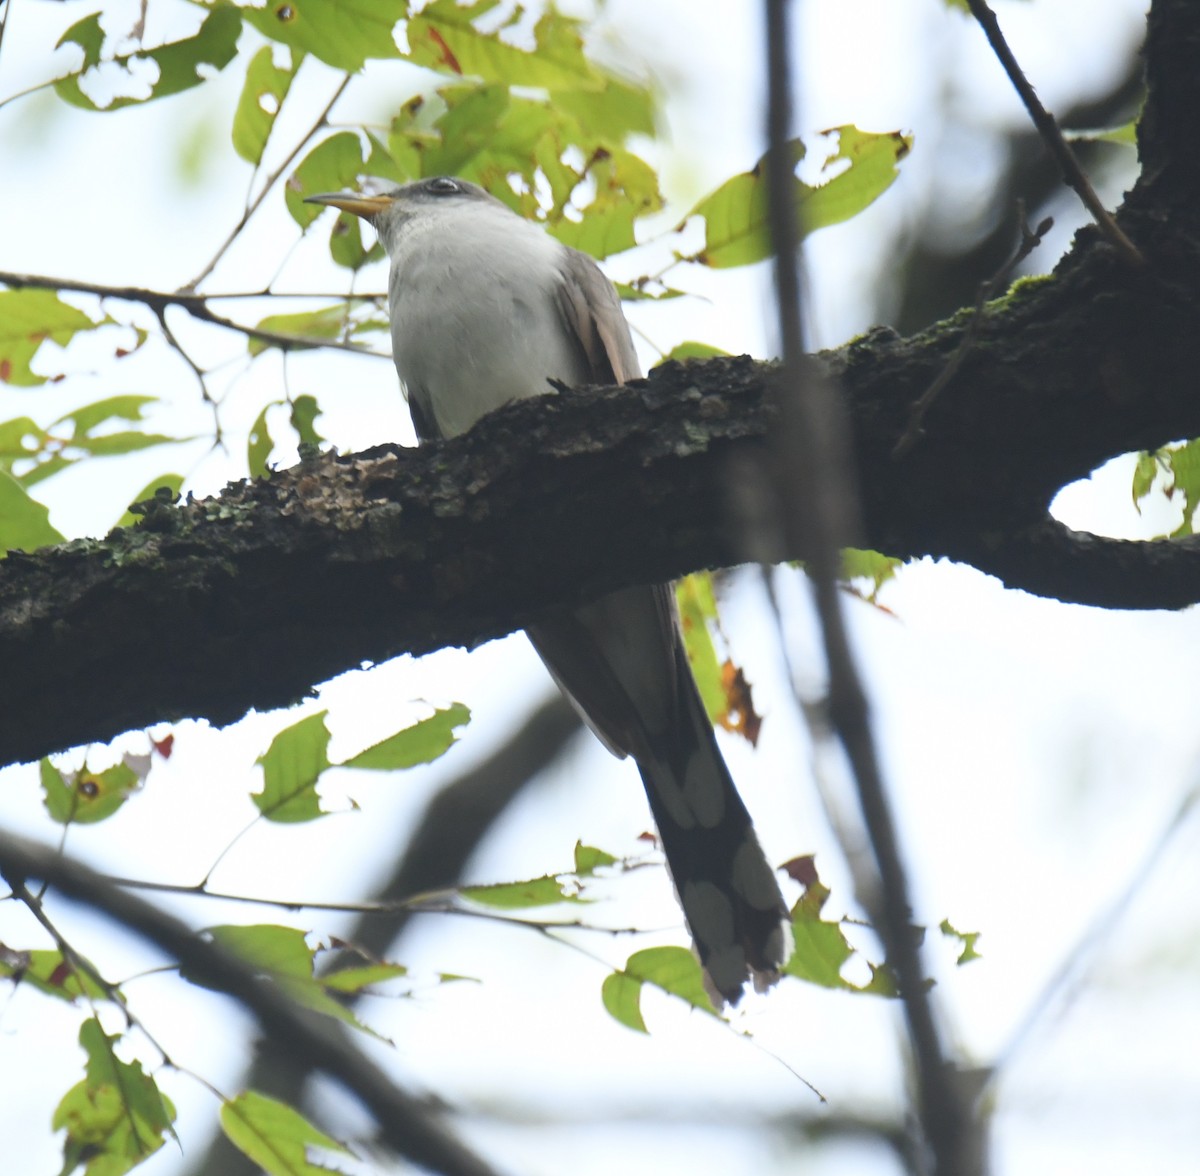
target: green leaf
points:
(612, 111)
(821, 948)
(1144, 474)
(281, 955)
(170, 483)
(124, 408)
(116, 1116)
(588, 859)
(21, 438)
(346, 242)
(274, 1136)
(421, 743)
(622, 997)
(444, 37)
(674, 970)
(312, 327)
(49, 972)
(305, 411)
(859, 563)
(692, 350)
(873, 162)
(736, 220)
(1184, 463)
(114, 444)
(342, 33)
(24, 523)
(548, 890)
(27, 319)
(362, 977)
(647, 290)
(697, 609)
(263, 92)
(178, 62)
(1124, 136)
(968, 939)
(331, 166)
(85, 797)
(291, 768)
(259, 443)
(601, 232)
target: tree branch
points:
(248, 599)
(409, 1128)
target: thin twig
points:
(1069, 977)
(404, 1123)
(271, 180)
(1047, 127)
(1030, 239)
(818, 505)
(195, 304)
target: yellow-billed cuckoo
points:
(485, 308)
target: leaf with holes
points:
(263, 92)
(444, 37)
(275, 1137)
(24, 523)
(177, 64)
(674, 970)
(292, 766)
(27, 319)
(342, 33)
(421, 743)
(116, 1116)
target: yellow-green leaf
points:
(263, 92)
(444, 37)
(305, 327)
(178, 62)
(27, 319)
(274, 1136)
(421, 743)
(116, 1116)
(548, 890)
(259, 443)
(291, 766)
(736, 218)
(674, 970)
(331, 166)
(968, 940)
(49, 972)
(24, 523)
(343, 33)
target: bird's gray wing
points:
(591, 311)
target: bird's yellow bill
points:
(368, 207)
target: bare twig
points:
(271, 180)
(309, 1040)
(195, 304)
(817, 497)
(1070, 975)
(1030, 239)
(1047, 127)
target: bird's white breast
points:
(474, 318)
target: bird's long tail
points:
(729, 892)
(622, 663)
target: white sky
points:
(1034, 750)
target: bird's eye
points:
(443, 186)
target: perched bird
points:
(485, 308)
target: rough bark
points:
(209, 608)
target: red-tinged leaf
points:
(802, 869)
(165, 745)
(740, 717)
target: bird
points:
(485, 308)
